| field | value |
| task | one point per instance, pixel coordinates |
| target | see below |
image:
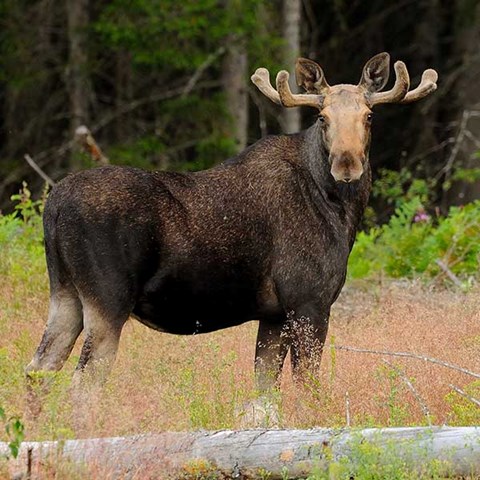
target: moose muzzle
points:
(346, 167)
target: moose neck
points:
(347, 200)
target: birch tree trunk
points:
(291, 17)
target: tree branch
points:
(465, 395)
(37, 169)
(418, 398)
(409, 355)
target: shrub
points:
(21, 238)
(412, 244)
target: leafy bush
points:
(413, 244)
(21, 238)
(14, 430)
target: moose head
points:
(345, 111)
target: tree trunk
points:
(78, 84)
(291, 19)
(234, 74)
(123, 94)
(244, 454)
(465, 96)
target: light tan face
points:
(345, 120)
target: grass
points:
(166, 382)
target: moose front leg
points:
(272, 347)
(307, 329)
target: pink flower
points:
(421, 216)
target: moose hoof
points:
(259, 413)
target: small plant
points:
(28, 208)
(200, 470)
(212, 404)
(397, 410)
(264, 474)
(463, 410)
(333, 359)
(51, 390)
(14, 430)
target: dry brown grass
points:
(165, 382)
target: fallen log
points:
(248, 454)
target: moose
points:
(264, 236)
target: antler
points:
(283, 95)
(400, 94)
(427, 85)
(399, 89)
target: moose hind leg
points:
(62, 330)
(102, 337)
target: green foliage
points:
(200, 469)
(372, 459)
(14, 430)
(51, 390)
(397, 187)
(467, 175)
(21, 238)
(208, 118)
(140, 153)
(411, 244)
(463, 410)
(171, 34)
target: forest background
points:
(164, 84)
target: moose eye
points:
(369, 117)
(321, 119)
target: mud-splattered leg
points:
(63, 328)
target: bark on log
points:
(244, 454)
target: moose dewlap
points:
(264, 236)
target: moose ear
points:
(375, 73)
(310, 76)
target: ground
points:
(165, 382)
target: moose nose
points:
(346, 167)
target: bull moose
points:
(264, 236)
